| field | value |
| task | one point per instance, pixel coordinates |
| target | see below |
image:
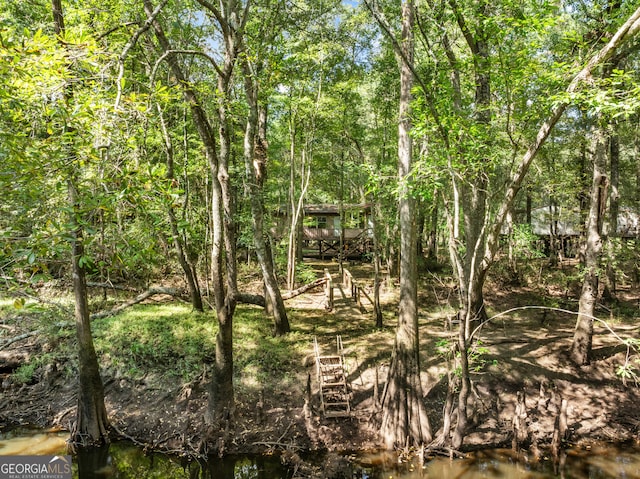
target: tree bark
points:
(221, 394)
(473, 198)
(614, 210)
(592, 248)
(404, 413)
(187, 267)
(377, 279)
(432, 234)
(92, 423)
(255, 158)
(294, 250)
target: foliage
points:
(29, 372)
(525, 243)
(167, 340)
(25, 373)
(629, 370)
(84, 111)
(447, 349)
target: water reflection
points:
(35, 443)
(601, 462)
(119, 461)
(258, 467)
(95, 463)
(123, 460)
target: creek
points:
(124, 460)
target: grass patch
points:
(173, 341)
(27, 373)
(166, 339)
(259, 357)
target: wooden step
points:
(337, 413)
(334, 392)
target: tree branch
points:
(130, 45)
(626, 32)
(216, 13)
(117, 27)
(166, 54)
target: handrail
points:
(328, 290)
(350, 283)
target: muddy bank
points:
(522, 354)
(169, 417)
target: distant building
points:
(558, 221)
(567, 222)
(324, 235)
(563, 226)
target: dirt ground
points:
(523, 351)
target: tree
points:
(255, 158)
(404, 416)
(91, 427)
(603, 142)
(179, 245)
(582, 338)
(465, 128)
(221, 397)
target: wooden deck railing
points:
(328, 290)
(357, 289)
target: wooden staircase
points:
(332, 380)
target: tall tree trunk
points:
(432, 235)
(377, 279)
(473, 197)
(221, 394)
(404, 412)
(614, 211)
(528, 206)
(296, 212)
(255, 158)
(92, 423)
(420, 225)
(187, 267)
(592, 248)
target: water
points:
(123, 460)
(597, 462)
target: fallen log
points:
(119, 287)
(138, 299)
(20, 337)
(258, 299)
(249, 298)
(303, 289)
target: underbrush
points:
(166, 340)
